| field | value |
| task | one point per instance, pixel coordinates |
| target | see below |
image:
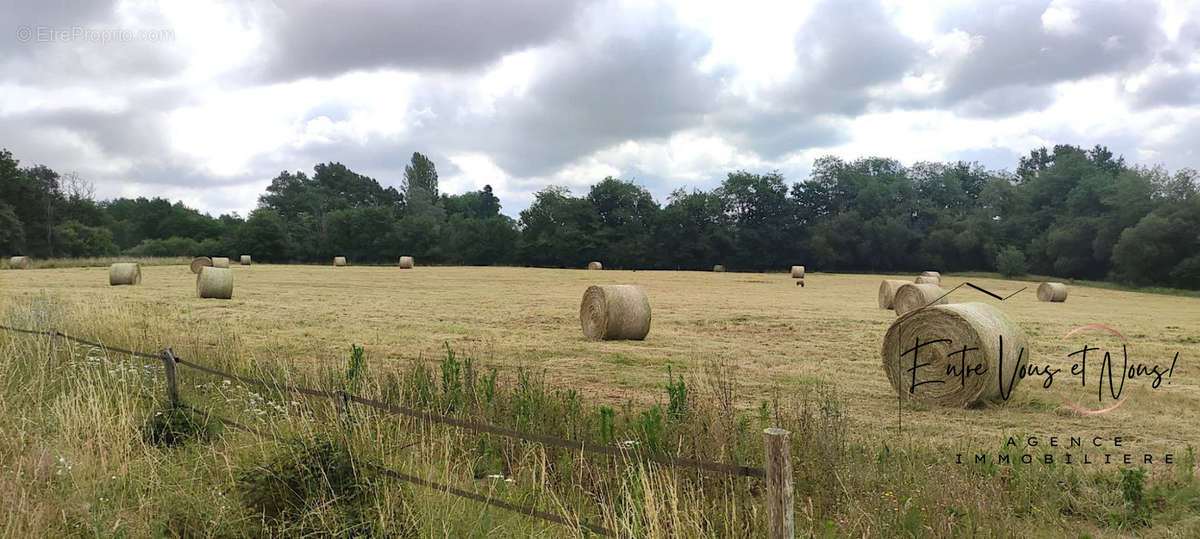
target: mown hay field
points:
(779, 336)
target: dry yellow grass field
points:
(780, 336)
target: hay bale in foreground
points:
(719, 268)
(215, 283)
(913, 296)
(615, 312)
(199, 263)
(797, 272)
(124, 273)
(20, 262)
(339, 261)
(593, 265)
(220, 261)
(1056, 292)
(406, 262)
(974, 325)
(887, 292)
(245, 260)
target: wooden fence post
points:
(168, 358)
(342, 401)
(780, 520)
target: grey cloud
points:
(1180, 150)
(1179, 89)
(1185, 47)
(1005, 101)
(604, 77)
(55, 13)
(772, 133)
(639, 87)
(319, 39)
(843, 50)
(637, 84)
(66, 45)
(1013, 50)
(136, 132)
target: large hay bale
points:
(931, 274)
(1056, 292)
(245, 260)
(614, 312)
(215, 283)
(20, 262)
(124, 273)
(797, 272)
(719, 268)
(979, 327)
(926, 279)
(913, 296)
(220, 262)
(406, 262)
(593, 265)
(887, 292)
(339, 261)
(200, 262)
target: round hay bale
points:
(245, 260)
(1056, 292)
(973, 325)
(931, 274)
(913, 296)
(797, 272)
(20, 262)
(215, 283)
(719, 268)
(200, 262)
(124, 273)
(887, 292)
(220, 262)
(928, 279)
(615, 312)
(593, 265)
(406, 262)
(339, 261)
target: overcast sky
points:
(206, 102)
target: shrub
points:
(179, 424)
(173, 246)
(1010, 262)
(1186, 274)
(310, 485)
(76, 239)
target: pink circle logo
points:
(1122, 399)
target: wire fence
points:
(169, 359)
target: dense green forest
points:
(1066, 211)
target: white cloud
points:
(1060, 18)
(667, 94)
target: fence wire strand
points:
(732, 469)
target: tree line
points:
(1066, 211)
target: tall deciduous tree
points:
(627, 216)
(559, 230)
(421, 180)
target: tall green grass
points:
(79, 455)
